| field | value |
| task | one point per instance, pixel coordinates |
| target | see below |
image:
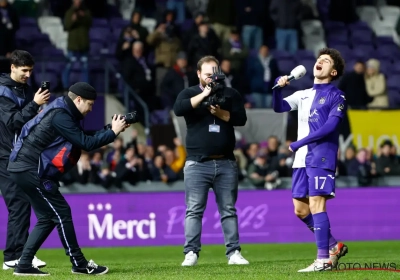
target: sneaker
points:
(340, 250)
(190, 259)
(237, 258)
(32, 271)
(38, 263)
(318, 265)
(10, 264)
(91, 269)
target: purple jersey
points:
(315, 106)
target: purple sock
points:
(332, 241)
(321, 231)
(309, 221)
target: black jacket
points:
(13, 117)
(55, 123)
(200, 142)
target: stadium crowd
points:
(158, 64)
(262, 164)
(159, 61)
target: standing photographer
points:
(211, 111)
(48, 147)
(18, 104)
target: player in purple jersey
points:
(320, 111)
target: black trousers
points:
(19, 214)
(52, 210)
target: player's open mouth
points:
(318, 67)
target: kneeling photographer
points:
(211, 111)
(49, 146)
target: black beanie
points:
(84, 90)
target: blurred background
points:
(140, 54)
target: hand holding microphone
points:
(296, 74)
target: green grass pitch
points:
(267, 261)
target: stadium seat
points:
(281, 54)
(46, 21)
(363, 52)
(389, 51)
(149, 24)
(334, 25)
(313, 28)
(286, 65)
(100, 22)
(390, 15)
(368, 13)
(27, 21)
(337, 39)
(359, 25)
(305, 54)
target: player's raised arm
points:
(336, 114)
(279, 104)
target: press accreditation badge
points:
(213, 128)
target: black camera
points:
(216, 96)
(130, 118)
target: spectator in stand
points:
(376, 85)
(341, 169)
(176, 159)
(148, 158)
(9, 24)
(77, 23)
(105, 177)
(202, 44)
(222, 16)
(197, 6)
(199, 18)
(138, 73)
(273, 149)
(82, 173)
(165, 40)
(262, 70)
(387, 164)
(365, 172)
(351, 162)
(178, 6)
(251, 15)
(115, 153)
(263, 174)
(130, 169)
(232, 78)
(287, 16)
(161, 172)
(133, 32)
(177, 78)
(251, 152)
(234, 50)
(147, 7)
(353, 85)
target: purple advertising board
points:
(147, 219)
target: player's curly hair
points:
(338, 61)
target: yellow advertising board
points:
(370, 128)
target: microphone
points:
(297, 73)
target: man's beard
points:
(203, 83)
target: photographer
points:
(18, 104)
(211, 111)
(49, 146)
